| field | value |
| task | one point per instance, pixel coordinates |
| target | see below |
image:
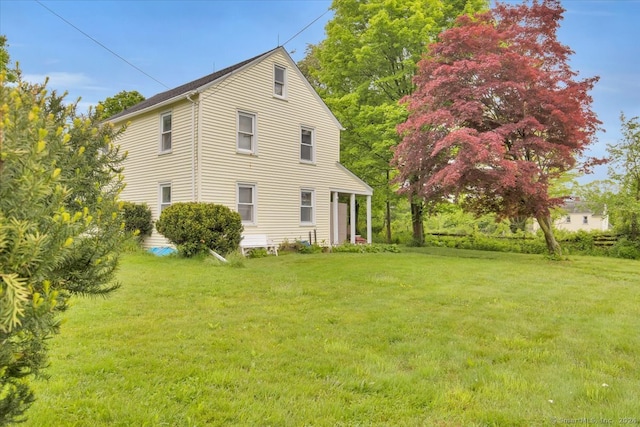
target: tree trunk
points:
(388, 221)
(517, 223)
(633, 227)
(388, 210)
(416, 222)
(547, 229)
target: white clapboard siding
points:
(275, 170)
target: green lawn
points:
(435, 337)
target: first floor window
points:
(246, 132)
(568, 220)
(165, 196)
(247, 203)
(306, 206)
(165, 142)
(585, 219)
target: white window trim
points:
(313, 144)
(162, 185)
(254, 200)
(254, 142)
(313, 206)
(161, 149)
(284, 83)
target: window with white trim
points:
(246, 132)
(165, 132)
(306, 206)
(164, 196)
(307, 136)
(279, 81)
(585, 219)
(247, 203)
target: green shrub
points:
(287, 246)
(137, 219)
(301, 246)
(479, 241)
(196, 227)
(258, 253)
(373, 248)
(625, 248)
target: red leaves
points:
(496, 113)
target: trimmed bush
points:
(196, 227)
(137, 219)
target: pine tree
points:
(60, 225)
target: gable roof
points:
(185, 88)
(577, 206)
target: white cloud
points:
(64, 81)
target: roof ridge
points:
(187, 87)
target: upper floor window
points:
(568, 219)
(165, 197)
(279, 81)
(247, 203)
(246, 132)
(306, 144)
(165, 139)
(585, 219)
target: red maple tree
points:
(497, 114)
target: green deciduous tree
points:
(620, 194)
(625, 171)
(60, 226)
(364, 67)
(118, 103)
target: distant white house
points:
(255, 137)
(575, 215)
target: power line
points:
(307, 26)
(103, 46)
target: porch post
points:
(335, 231)
(369, 219)
(352, 218)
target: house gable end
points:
(313, 92)
(292, 65)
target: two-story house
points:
(575, 215)
(255, 137)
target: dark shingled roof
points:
(185, 88)
(575, 205)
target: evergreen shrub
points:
(196, 227)
(137, 219)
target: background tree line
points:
(362, 69)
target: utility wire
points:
(103, 46)
(308, 25)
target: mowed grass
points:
(436, 338)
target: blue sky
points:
(178, 41)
